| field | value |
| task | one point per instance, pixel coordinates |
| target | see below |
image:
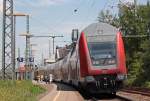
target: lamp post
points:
(27, 38)
(49, 49)
(32, 55)
(14, 38)
(27, 50)
(27, 42)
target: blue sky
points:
(57, 17)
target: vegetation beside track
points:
(19, 91)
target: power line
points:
(135, 36)
(80, 5)
(93, 3)
(90, 5)
(46, 36)
(75, 10)
(43, 24)
(38, 20)
(106, 4)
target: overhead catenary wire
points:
(43, 24)
(58, 23)
(67, 16)
(80, 5)
(73, 11)
(90, 4)
(106, 4)
(30, 6)
(110, 6)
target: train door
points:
(69, 70)
(73, 62)
(61, 70)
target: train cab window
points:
(102, 53)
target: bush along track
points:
(19, 91)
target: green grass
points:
(19, 91)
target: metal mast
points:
(49, 48)
(27, 56)
(8, 38)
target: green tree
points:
(107, 17)
(137, 49)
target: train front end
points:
(102, 58)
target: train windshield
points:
(102, 53)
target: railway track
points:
(135, 93)
(136, 90)
(105, 97)
(129, 94)
(116, 98)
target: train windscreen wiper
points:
(107, 57)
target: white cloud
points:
(39, 3)
(50, 2)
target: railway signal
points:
(31, 59)
(20, 59)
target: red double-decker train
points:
(96, 61)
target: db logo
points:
(104, 71)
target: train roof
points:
(100, 32)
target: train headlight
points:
(89, 79)
(111, 61)
(121, 77)
(95, 62)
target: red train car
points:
(97, 60)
